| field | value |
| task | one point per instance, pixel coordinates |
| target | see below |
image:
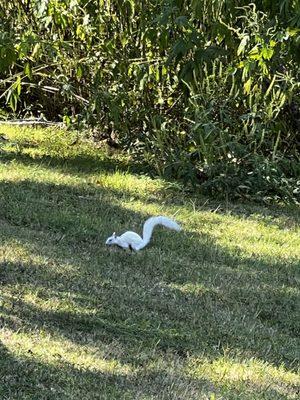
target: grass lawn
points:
(211, 312)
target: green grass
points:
(211, 312)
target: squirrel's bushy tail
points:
(152, 222)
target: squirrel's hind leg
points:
(133, 248)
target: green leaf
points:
(13, 101)
(270, 86)
(179, 49)
(241, 48)
(28, 70)
(8, 56)
(47, 20)
(254, 53)
(292, 31)
(247, 86)
(181, 20)
(263, 67)
(17, 86)
(79, 72)
(35, 50)
(131, 4)
(267, 53)
(42, 7)
(86, 20)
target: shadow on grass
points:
(171, 299)
(81, 164)
(27, 377)
(77, 162)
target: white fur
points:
(134, 241)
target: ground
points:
(211, 312)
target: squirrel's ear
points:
(114, 234)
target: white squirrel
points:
(133, 241)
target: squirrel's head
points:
(111, 240)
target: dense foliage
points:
(205, 91)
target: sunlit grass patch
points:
(247, 377)
(52, 145)
(58, 350)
